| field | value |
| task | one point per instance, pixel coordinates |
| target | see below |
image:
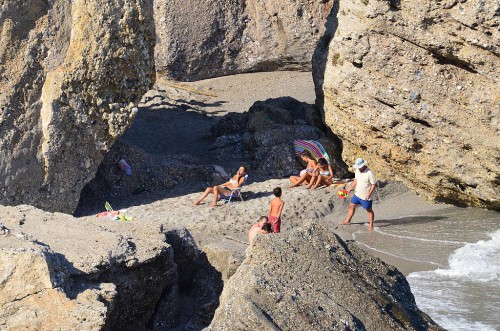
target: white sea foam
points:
(420, 239)
(476, 262)
(464, 296)
(386, 252)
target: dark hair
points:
(322, 162)
(244, 168)
(277, 191)
(267, 227)
(306, 154)
(263, 218)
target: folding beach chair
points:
(235, 192)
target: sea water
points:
(466, 294)
(463, 248)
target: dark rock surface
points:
(264, 137)
(310, 279)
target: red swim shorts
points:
(275, 223)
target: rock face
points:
(265, 134)
(210, 38)
(30, 295)
(312, 280)
(70, 73)
(59, 272)
(414, 88)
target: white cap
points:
(359, 163)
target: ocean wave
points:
(465, 295)
(478, 262)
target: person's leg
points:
(315, 182)
(294, 180)
(216, 191)
(204, 195)
(350, 214)
(371, 218)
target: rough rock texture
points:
(150, 173)
(210, 38)
(59, 271)
(32, 279)
(264, 135)
(70, 74)
(414, 88)
(311, 279)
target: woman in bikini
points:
(306, 174)
(223, 189)
(323, 175)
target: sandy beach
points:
(174, 121)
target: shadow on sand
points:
(408, 220)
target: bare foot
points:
(370, 228)
(213, 205)
(196, 203)
(345, 223)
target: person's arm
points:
(314, 175)
(353, 186)
(331, 172)
(241, 181)
(280, 210)
(373, 182)
(372, 188)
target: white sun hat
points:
(359, 163)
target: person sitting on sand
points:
(364, 185)
(223, 189)
(323, 175)
(261, 227)
(275, 210)
(306, 174)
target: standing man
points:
(364, 185)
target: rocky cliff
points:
(209, 38)
(70, 73)
(310, 279)
(59, 272)
(413, 87)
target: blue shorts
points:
(367, 204)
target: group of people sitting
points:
(315, 174)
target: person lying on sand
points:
(223, 189)
(261, 227)
(323, 175)
(306, 174)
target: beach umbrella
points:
(312, 146)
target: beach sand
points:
(174, 119)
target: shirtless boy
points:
(261, 227)
(275, 210)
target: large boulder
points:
(310, 279)
(209, 38)
(32, 279)
(71, 73)
(263, 137)
(60, 272)
(413, 88)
